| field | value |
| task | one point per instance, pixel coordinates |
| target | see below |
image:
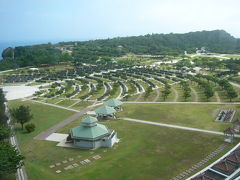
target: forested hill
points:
(89, 51)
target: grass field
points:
(197, 116)
(81, 105)
(144, 151)
(67, 103)
(44, 117)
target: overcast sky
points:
(48, 20)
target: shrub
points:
(30, 127)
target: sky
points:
(65, 20)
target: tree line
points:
(102, 51)
(10, 158)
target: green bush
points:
(30, 127)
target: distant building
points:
(116, 104)
(91, 135)
(105, 112)
(33, 69)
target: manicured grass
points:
(52, 101)
(144, 84)
(157, 83)
(201, 96)
(68, 91)
(81, 105)
(181, 93)
(192, 115)
(150, 98)
(143, 153)
(44, 117)
(170, 97)
(98, 93)
(116, 93)
(131, 88)
(66, 103)
(82, 93)
(134, 97)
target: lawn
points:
(52, 101)
(144, 151)
(139, 155)
(81, 105)
(44, 117)
(98, 93)
(66, 103)
(197, 116)
(82, 93)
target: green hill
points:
(89, 51)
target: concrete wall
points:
(105, 142)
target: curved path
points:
(217, 96)
(138, 97)
(176, 94)
(157, 96)
(175, 126)
(234, 84)
(120, 94)
(43, 135)
(195, 94)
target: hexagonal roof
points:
(113, 102)
(105, 110)
(89, 120)
(89, 132)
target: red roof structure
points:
(202, 177)
(225, 166)
(237, 122)
(234, 157)
(229, 131)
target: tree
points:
(148, 92)
(5, 132)
(10, 159)
(3, 117)
(231, 93)
(30, 127)
(165, 93)
(186, 93)
(208, 92)
(21, 114)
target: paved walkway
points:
(196, 99)
(138, 97)
(175, 126)
(217, 97)
(53, 105)
(176, 94)
(234, 84)
(43, 135)
(157, 96)
(120, 94)
(144, 102)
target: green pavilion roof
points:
(89, 120)
(113, 102)
(90, 133)
(105, 110)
